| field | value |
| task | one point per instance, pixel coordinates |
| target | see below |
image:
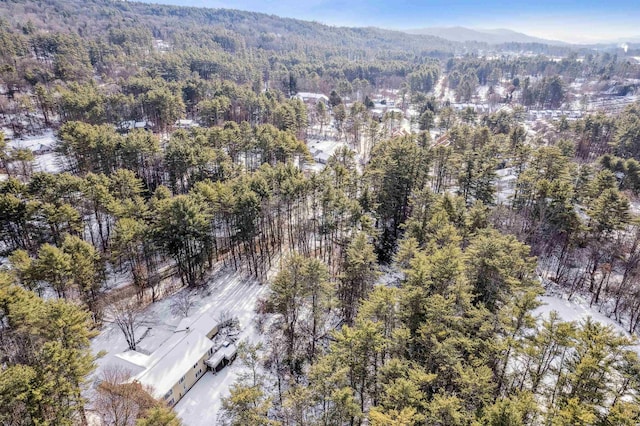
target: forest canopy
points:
(406, 202)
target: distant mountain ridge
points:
(230, 28)
(493, 36)
(631, 39)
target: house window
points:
(168, 394)
(182, 379)
(195, 365)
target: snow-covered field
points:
(229, 293)
(576, 309)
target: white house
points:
(127, 126)
(312, 98)
(204, 323)
(172, 369)
(186, 124)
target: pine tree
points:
(159, 416)
(359, 275)
(247, 405)
(182, 230)
(47, 354)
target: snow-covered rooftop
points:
(309, 95)
(134, 357)
(132, 124)
(131, 361)
(203, 323)
(186, 123)
(172, 360)
(224, 352)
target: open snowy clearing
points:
(42, 146)
(33, 143)
(227, 293)
(576, 310)
(50, 163)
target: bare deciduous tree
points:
(128, 315)
(183, 303)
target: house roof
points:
(184, 122)
(173, 360)
(224, 352)
(134, 357)
(131, 361)
(202, 323)
(132, 124)
(309, 95)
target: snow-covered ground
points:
(634, 207)
(229, 293)
(505, 185)
(117, 279)
(442, 92)
(390, 276)
(577, 309)
(42, 146)
(47, 139)
(50, 163)
(482, 92)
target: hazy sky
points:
(568, 20)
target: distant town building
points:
(186, 124)
(127, 126)
(312, 98)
